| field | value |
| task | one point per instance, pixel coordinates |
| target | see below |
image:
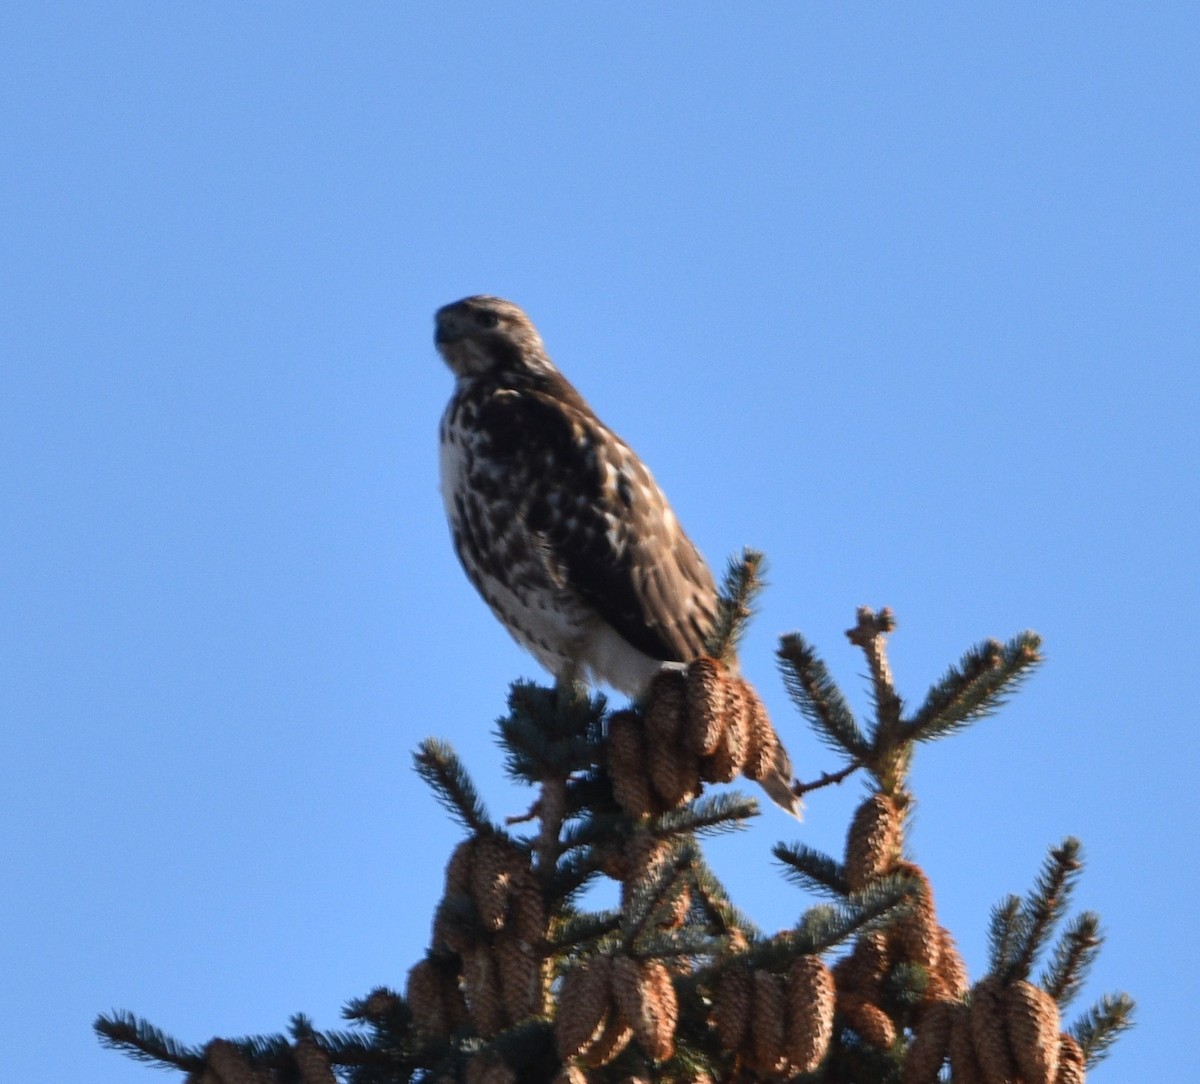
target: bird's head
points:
(484, 334)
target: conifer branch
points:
(1005, 935)
(870, 633)
(347, 1048)
(524, 982)
(438, 764)
(382, 1008)
(878, 906)
(142, 1041)
(819, 699)
(1074, 955)
(551, 811)
(714, 815)
(723, 916)
(594, 830)
(572, 874)
(742, 583)
(1102, 1025)
(812, 870)
(650, 897)
(826, 779)
(1045, 905)
(549, 732)
(583, 928)
(977, 687)
(684, 941)
(825, 926)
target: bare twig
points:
(827, 779)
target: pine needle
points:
(1102, 1025)
(438, 764)
(819, 699)
(1045, 906)
(986, 676)
(812, 870)
(141, 1040)
(1073, 958)
(1005, 934)
(740, 589)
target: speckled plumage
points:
(558, 524)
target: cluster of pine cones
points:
(1001, 1033)
(224, 1063)
(700, 725)
(610, 1000)
(777, 1025)
(485, 963)
(487, 966)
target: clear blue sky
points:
(906, 298)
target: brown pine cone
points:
(873, 842)
(488, 1067)
(732, 1000)
(425, 995)
(724, 764)
(584, 1003)
(989, 1032)
(527, 909)
(705, 706)
(570, 1074)
(497, 863)
(762, 743)
(519, 969)
(452, 929)
(201, 1076)
(645, 997)
(312, 1062)
(460, 868)
(768, 1024)
(666, 707)
(737, 718)
(662, 1009)
(611, 1041)
(1033, 1032)
(680, 906)
(726, 761)
(964, 1065)
(627, 766)
(917, 938)
(645, 855)
(951, 970)
(1071, 1062)
(873, 1025)
(230, 1066)
(481, 985)
(931, 1046)
(810, 1006)
(863, 971)
(674, 772)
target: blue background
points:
(904, 296)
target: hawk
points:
(558, 524)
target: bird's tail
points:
(778, 782)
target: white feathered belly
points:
(518, 581)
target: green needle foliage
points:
(977, 687)
(740, 589)
(525, 980)
(820, 700)
(1102, 1025)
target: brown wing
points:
(604, 524)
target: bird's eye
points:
(486, 319)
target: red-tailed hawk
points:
(559, 525)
